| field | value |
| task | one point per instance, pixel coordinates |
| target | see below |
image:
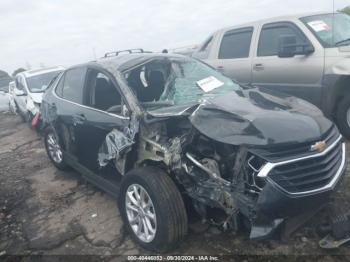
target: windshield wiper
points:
(342, 42)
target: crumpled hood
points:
(255, 117)
(37, 97)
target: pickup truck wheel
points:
(152, 209)
(343, 116)
(53, 149)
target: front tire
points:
(152, 209)
(53, 149)
(343, 116)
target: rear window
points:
(236, 44)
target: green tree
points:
(346, 10)
(18, 70)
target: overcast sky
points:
(64, 32)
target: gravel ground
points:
(44, 211)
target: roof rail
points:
(130, 51)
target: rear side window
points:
(236, 43)
(270, 37)
(71, 87)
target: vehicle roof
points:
(40, 71)
(126, 61)
(276, 19)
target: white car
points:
(29, 88)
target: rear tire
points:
(170, 223)
(53, 149)
(343, 116)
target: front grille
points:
(308, 174)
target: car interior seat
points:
(155, 87)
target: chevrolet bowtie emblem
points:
(319, 146)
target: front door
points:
(103, 113)
(300, 75)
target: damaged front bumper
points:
(293, 192)
(276, 205)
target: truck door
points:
(234, 54)
(299, 75)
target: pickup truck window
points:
(270, 35)
(331, 30)
(236, 43)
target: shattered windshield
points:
(39, 83)
(192, 81)
(331, 30)
(177, 80)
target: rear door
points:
(300, 75)
(233, 57)
(66, 110)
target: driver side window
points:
(270, 36)
(102, 94)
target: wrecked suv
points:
(170, 136)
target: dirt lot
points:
(46, 211)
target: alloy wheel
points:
(141, 213)
(54, 148)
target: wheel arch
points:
(341, 90)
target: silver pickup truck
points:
(306, 56)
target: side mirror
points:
(288, 47)
(19, 92)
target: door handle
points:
(220, 68)
(258, 67)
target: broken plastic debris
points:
(112, 147)
(94, 215)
